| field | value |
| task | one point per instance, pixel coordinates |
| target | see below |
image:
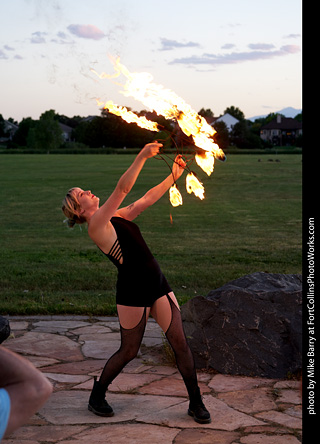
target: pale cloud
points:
(3, 55)
(230, 25)
(38, 37)
(290, 49)
(168, 45)
(62, 38)
(261, 46)
(228, 46)
(237, 57)
(86, 31)
(292, 36)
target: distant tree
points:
(206, 112)
(46, 134)
(79, 132)
(89, 132)
(222, 135)
(298, 117)
(10, 119)
(255, 127)
(73, 122)
(242, 137)
(271, 117)
(20, 136)
(111, 131)
(235, 112)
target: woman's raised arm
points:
(153, 195)
(103, 215)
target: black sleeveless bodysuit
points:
(140, 280)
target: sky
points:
(212, 53)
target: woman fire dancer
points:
(141, 287)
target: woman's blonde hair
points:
(71, 208)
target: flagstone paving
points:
(149, 397)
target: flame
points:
(205, 161)
(175, 196)
(166, 103)
(193, 185)
(129, 116)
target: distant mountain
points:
(286, 112)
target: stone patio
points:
(148, 397)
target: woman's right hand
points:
(178, 166)
(151, 149)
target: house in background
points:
(281, 131)
(66, 132)
(9, 129)
(229, 121)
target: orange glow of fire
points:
(129, 116)
(193, 185)
(175, 196)
(167, 104)
(205, 161)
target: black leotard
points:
(140, 279)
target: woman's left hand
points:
(151, 149)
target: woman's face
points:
(86, 199)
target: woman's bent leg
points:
(132, 326)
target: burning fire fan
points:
(167, 104)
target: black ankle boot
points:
(97, 402)
(197, 409)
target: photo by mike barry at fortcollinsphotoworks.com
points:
(310, 340)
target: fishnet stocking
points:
(130, 344)
(184, 357)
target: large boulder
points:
(4, 329)
(251, 326)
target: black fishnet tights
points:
(184, 357)
(130, 343)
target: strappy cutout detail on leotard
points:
(115, 251)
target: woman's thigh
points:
(130, 317)
(161, 310)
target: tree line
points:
(107, 130)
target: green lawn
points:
(250, 220)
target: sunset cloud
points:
(86, 31)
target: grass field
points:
(250, 220)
